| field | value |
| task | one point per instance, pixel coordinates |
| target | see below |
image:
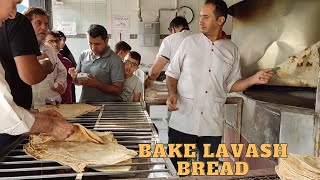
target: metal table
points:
(130, 125)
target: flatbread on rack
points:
(70, 110)
(81, 149)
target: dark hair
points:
(62, 34)
(179, 21)
(55, 34)
(96, 30)
(221, 8)
(33, 11)
(135, 55)
(121, 45)
(65, 51)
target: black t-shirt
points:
(17, 38)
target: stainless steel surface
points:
(267, 32)
(298, 131)
(275, 123)
(130, 125)
(236, 124)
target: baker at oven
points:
(104, 68)
(204, 69)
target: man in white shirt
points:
(51, 88)
(204, 69)
(16, 120)
(179, 30)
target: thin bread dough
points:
(79, 154)
(70, 110)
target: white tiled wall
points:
(86, 12)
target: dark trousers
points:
(177, 137)
(73, 92)
(6, 140)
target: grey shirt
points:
(107, 69)
(131, 85)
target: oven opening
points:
(293, 96)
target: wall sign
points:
(120, 23)
(67, 27)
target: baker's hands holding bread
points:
(52, 123)
(60, 128)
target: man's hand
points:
(91, 82)
(43, 55)
(60, 128)
(263, 76)
(148, 83)
(52, 123)
(59, 89)
(46, 65)
(45, 62)
(172, 103)
(52, 113)
(73, 73)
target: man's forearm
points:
(109, 88)
(156, 68)
(153, 75)
(241, 85)
(29, 69)
(172, 85)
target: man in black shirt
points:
(18, 55)
(19, 50)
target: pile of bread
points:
(83, 148)
(298, 167)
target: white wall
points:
(86, 12)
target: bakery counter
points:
(130, 125)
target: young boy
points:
(132, 87)
(122, 49)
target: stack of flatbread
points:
(70, 110)
(299, 167)
(150, 96)
(302, 68)
(81, 149)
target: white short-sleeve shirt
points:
(205, 72)
(170, 44)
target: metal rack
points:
(130, 125)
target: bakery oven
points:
(284, 35)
